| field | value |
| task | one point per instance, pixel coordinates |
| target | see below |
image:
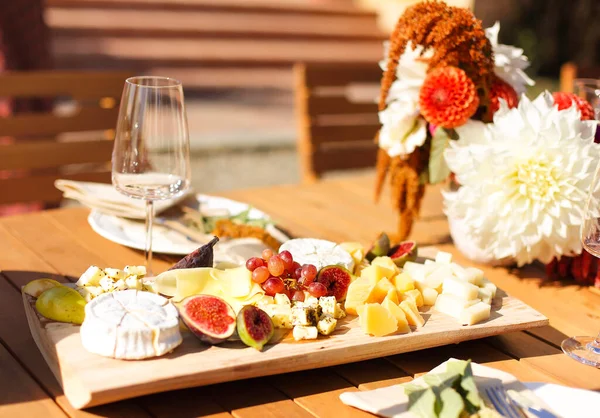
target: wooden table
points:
(60, 244)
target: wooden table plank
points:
(372, 374)
(20, 395)
(318, 392)
(186, 403)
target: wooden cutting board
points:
(89, 379)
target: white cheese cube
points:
(429, 296)
(429, 262)
(133, 282)
(462, 289)
(264, 301)
(311, 301)
(115, 274)
(327, 304)
(107, 284)
(139, 271)
(339, 312)
(489, 285)
(282, 299)
(443, 257)
(305, 333)
(471, 275)
(120, 285)
(474, 314)
(91, 277)
(326, 325)
(281, 315)
(415, 270)
(452, 305)
(84, 291)
(485, 295)
(457, 269)
(435, 279)
(304, 316)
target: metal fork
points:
(509, 407)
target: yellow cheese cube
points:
(376, 320)
(403, 282)
(360, 267)
(380, 291)
(392, 296)
(398, 313)
(474, 314)
(357, 295)
(429, 296)
(388, 264)
(356, 250)
(374, 273)
(414, 295)
(412, 313)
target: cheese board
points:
(89, 379)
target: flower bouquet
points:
(452, 109)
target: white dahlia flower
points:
(509, 62)
(524, 180)
(402, 129)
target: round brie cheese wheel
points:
(318, 252)
(130, 325)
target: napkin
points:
(391, 402)
(105, 198)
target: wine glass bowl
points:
(151, 152)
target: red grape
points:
(309, 273)
(296, 265)
(317, 289)
(288, 260)
(275, 285)
(267, 253)
(298, 273)
(254, 262)
(298, 296)
(260, 274)
(276, 267)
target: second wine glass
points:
(151, 153)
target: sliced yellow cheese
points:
(380, 291)
(236, 282)
(357, 295)
(459, 288)
(412, 313)
(374, 273)
(403, 282)
(399, 314)
(376, 320)
(388, 264)
(414, 295)
(392, 296)
(474, 314)
(187, 282)
(429, 296)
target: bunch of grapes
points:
(279, 273)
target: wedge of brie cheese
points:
(318, 252)
(130, 325)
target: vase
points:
(469, 248)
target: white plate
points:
(132, 233)
(567, 402)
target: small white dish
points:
(131, 233)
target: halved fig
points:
(254, 326)
(336, 279)
(210, 318)
(403, 252)
(380, 247)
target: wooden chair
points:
(43, 146)
(335, 132)
(570, 71)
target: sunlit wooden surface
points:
(60, 244)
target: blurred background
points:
(235, 58)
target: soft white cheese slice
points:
(130, 325)
(318, 252)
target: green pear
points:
(61, 304)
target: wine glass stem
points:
(148, 248)
(596, 343)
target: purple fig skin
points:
(201, 330)
(252, 316)
(201, 257)
(380, 247)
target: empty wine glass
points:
(586, 350)
(151, 153)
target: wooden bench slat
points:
(76, 84)
(41, 188)
(317, 75)
(87, 119)
(48, 153)
(342, 133)
(346, 158)
(338, 105)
